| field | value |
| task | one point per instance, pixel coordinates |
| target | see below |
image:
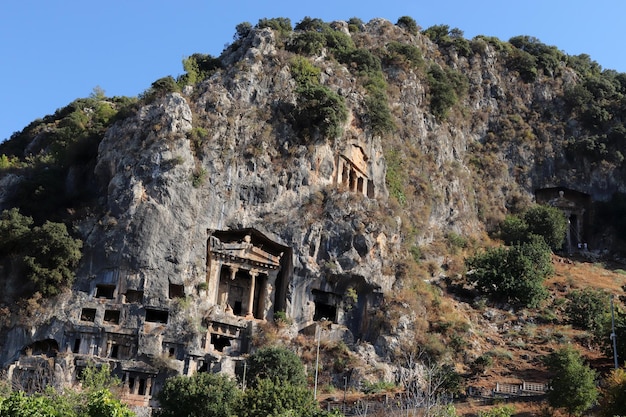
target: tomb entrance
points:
(352, 171)
(576, 208)
(246, 273)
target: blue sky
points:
(54, 52)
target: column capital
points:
(233, 271)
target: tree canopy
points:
(201, 395)
(540, 220)
(47, 253)
(277, 364)
(573, 386)
(514, 274)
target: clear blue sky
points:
(53, 52)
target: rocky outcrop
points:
(217, 213)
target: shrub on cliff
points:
(198, 67)
(446, 87)
(515, 274)
(281, 25)
(47, 253)
(409, 24)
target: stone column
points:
(213, 279)
(233, 272)
(253, 275)
(125, 387)
(148, 386)
(269, 294)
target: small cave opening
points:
(88, 314)
(134, 296)
(156, 316)
(46, 347)
(105, 291)
(325, 311)
(76, 347)
(112, 316)
(220, 342)
(115, 349)
(325, 305)
(176, 291)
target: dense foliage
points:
(539, 220)
(67, 144)
(312, 37)
(46, 254)
(613, 396)
(277, 388)
(515, 274)
(446, 87)
(95, 399)
(588, 309)
(573, 385)
(201, 395)
(603, 331)
(273, 397)
(277, 364)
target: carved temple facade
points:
(242, 274)
(353, 171)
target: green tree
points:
(281, 25)
(47, 253)
(446, 87)
(515, 274)
(513, 230)
(409, 24)
(102, 404)
(201, 395)
(602, 334)
(588, 308)
(15, 230)
(198, 67)
(242, 30)
(277, 364)
(18, 404)
(320, 110)
(97, 378)
(547, 222)
(52, 257)
(273, 397)
(440, 34)
(548, 57)
(573, 386)
(524, 63)
(539, 220)
(304, 72)
(613, 396)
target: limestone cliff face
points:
(216, 213)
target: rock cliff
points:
(215, 211)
